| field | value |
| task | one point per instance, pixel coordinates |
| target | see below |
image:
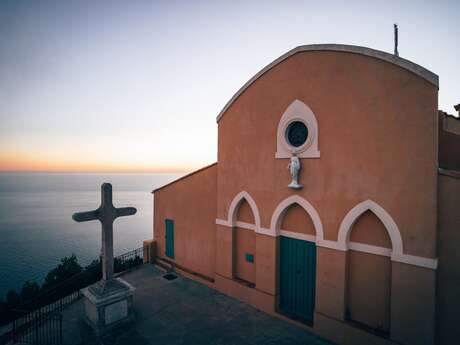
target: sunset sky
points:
(137, 85)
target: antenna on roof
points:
(396, 38)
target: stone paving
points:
(182, 311)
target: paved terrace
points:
(182, 311)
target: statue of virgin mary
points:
(294, 168)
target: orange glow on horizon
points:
(24, 163)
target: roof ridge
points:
(378, 54)
(185, 176)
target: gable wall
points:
(377, 138)
(378, 141)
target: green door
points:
(169, 236)
(297, 278)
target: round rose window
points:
(296, 133)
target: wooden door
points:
(297, 278)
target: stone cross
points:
(106, 214)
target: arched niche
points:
(244, 213)
(297, 220)
(368, 229)
(368, 262)
(234, 206)
(244, 218)
(282, 208)
(390, 225)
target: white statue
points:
(294, 168)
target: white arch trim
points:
(282, 208)
(384, 216)
(396, 253)
(343, 243)
(234, 205)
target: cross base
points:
(108, 304)
(105, 288)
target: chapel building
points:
(360, 242)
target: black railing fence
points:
(29, 317)
(65, 292)
(129, 260)
(41, 326)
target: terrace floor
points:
(182, 311)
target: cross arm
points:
(125, 211)
(85, 216)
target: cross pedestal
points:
(109, 301)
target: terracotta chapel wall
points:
(191, 203)
(377, 138)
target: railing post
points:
(60, 328)
(14, 330)
(36, 325)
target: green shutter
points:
(169, 234)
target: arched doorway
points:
(372, 238)
(369, 275)
(298, 224)
(244, 248)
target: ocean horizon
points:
(36, 226)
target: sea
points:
(36, 226)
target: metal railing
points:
(38, 318)
(41, 326)
(127, 261)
